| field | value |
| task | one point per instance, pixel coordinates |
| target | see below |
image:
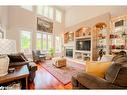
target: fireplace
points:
(69, 53)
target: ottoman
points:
(59, 62)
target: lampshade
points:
(7, 46)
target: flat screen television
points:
(83, 45)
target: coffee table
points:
(21, 72)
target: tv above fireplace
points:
(83, 45)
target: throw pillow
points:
(97, 68)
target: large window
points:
(39, 41)
(44, 41)
(58, 16)
(26, 42)
(44, 45)
(45, 11)
(30, 8)
(49, 42)
(58, 43)
(49, 13)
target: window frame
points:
(48, 11)
(56, 19)
(28, 9)
(42, 48)
(30, 41)
(60, 40)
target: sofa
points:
(114, 78)
(18, 59)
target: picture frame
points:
(44, 25)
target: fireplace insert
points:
(69, 52)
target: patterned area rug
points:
(63, 74)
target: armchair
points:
(115, 77)
(38, 56)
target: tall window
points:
(45, 11)
(44, 45)
(58, 16)
(30, 8)
(39, 41)
(49, 42)
(26, 42)
(44, 41)
(58, 43)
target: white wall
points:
(19, 18)
(77, 14)
(4, 18)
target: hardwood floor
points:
(44, 80)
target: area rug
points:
(63, 74)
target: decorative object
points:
(44, 25)
(6, 47)
(1, 32)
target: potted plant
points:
(52, 52)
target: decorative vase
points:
(4, 64)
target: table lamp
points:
(6, 47)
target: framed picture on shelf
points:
(44, 25)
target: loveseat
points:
(114, 78)
(18, 59)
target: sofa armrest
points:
(32, 67)
(94, 82)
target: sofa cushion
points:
(16, 57)
(112, 72)
(121, 78)
(97, 68)
(120, 59)
(117, 74)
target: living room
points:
(63, 47)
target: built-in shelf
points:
(82, 51)
(83, 37)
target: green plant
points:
(52, 52)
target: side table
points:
(21, 72)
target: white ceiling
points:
(77, 14)
(66, 8)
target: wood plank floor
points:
(44, 80)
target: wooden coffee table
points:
(21, 72)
